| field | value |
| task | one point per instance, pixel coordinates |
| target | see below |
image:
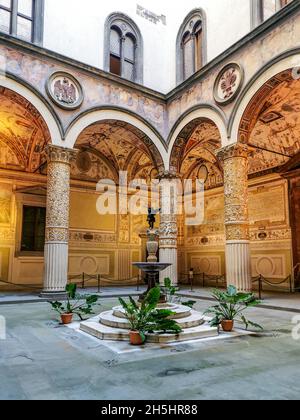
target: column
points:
(57, 221)
(168, 231)
(238, 262)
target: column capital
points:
(168, 175)
(233, 151)
(60, 154)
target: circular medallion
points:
(228, 83)
(64, 90)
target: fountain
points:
(113, 325)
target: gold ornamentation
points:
(235, 159)
(58, 193)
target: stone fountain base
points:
(113, 325)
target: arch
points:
(203, 112)
(287, 61)
(127, 27)
(104, 114)
(200, 15)
(26, 91)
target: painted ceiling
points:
(276, 133)
(114, 146)
(23, 133)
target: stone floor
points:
(42, 360)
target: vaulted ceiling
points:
(112, 146)
(23, 133)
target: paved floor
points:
(42, 360)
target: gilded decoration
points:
(235, 158)
(58, 192)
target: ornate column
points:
(238, 263)
(57, 221)
(168, 231)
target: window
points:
(191, 45)
(264, 9)
(22, 19)
(33, 229)
(124, 57)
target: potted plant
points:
(147, 318)
(230, 307)
(74, 305)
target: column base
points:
(238, 265)
(169, 255)
(53, 296)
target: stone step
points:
(180, 311)
(103, 332)
(194, 319)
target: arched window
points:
(191, 45)
(264, 9)
(22, 19)
(123, 48)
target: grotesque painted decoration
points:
(109, 147)
(194, 153)
(23, 133)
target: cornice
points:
(262, 30)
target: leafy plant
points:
(170, 292)
(147, 318)
(231, 307)
(75, 303)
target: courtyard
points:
(40, 359)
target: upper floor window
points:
(22, 19)
(191, 45)
(264, 9)
(123, 48)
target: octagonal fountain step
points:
(111, 319)
(112, 325)
(180, 311)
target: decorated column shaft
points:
(57, 220)
(168, 231)
(238, 266)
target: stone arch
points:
(27, 126)
(189, 121)
(148, 134)
(284, 62)
(194, 152)
(33, 97)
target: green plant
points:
(75, 303)
(147, 318)
(231, 307)
(170, 292)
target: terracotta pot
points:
(66, 318)
(135, 338)
(227, 325)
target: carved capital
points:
(56, 154)
(237, 150)
(168, 175)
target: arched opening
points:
(107, 244)
(24, 136)
(194, 156)
(270, 125)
